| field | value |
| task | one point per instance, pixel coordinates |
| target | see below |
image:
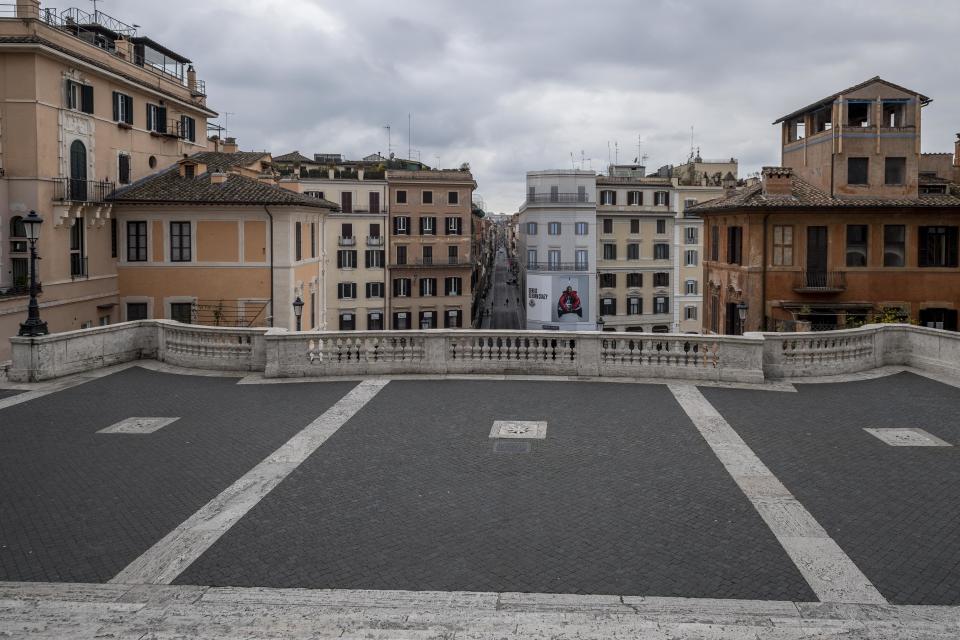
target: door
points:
(78, 172)
(731, 326)
(816, 256)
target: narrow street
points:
(502, 303)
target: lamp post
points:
(33, 326)
(742, 312)
(298, 310)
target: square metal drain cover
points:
(912, 437)
(523, 429)
(511, 446)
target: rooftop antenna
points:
(639, 145)
(409, 136)
(95, 8)
(389, 145)
(573, 165)
(437, 156)
(226, 122)
(691, 142)
(608, 152)
(616, 152)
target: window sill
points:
(124, 125)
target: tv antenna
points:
(389, 145)
(691, 142)
(226, 122)
(94, 2)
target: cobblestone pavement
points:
(894, 510)
(623, 496)
(77, 505)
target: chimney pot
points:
(217, 178)
(230, 145)
(777, 181)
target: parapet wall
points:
(754, 357)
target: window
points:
(401, 320)
(690, 257)
(346, 230)
(531, 256)
(580, 257)
(661, 198)
(608, 306)
(857, 238)
(402, 254)
(689, 202)
(453, 197)
(374, 321)
(122, 108)
(180, 242)
(690, 313)
(634, 226)
(782, 245)
(937, 246)
(553, 229)
(427, 197)
(374, 258)
(661, 304)
(634, 279)
(894, 171)
(661, 279)
(553, 259)
(373, 200)
(428, 320)
(531, 228)
(608, 197)
(375, 230)
(401, 225)
(189, 170)
(661, 251)
(715, 242)
(401, 196)
(858, 113)
(401, 287)
(454, 226)
(581, 193)
(346, 290)
(123, 168)
(734, 245)
(893, 114)
(374, 289)
(314, 194)
(298, 241)
(156, 118)
(427, 255)
(346, 201)
(188, 128)
(634, 306)
(635, 198)
(690, 235)
(428, 225)
(858, 170)
(453, 286)
(633, 251)
(78, 262)
(136, 241)
(581, 228)
(554, 193)
(79, 96)
(661, 226)
(453, 254)
(136, 311)
(347, 259)
(894, 245)
(608, 280)
(609, 251)
(181, 312)
(348, 321)
(453, 319)
(113, 237)
(313, 239)
(691, 287)
(608, 225)
(531, 194)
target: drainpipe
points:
(271, 265)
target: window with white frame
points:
(454, 226)
(374, 289)
(401, 287)
(690, 235)
(635, 198)
(453, 286)
(346, 290)
(661, 198)
(690, 257)
(661, 304)
(634, 306)
(690, 312)
(691, 287)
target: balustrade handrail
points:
(565, 198)
(821, 280)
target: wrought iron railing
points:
(557, 266)
(75, 190)
(820, 281)
(559, 197)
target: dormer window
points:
(189, 170)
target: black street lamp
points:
(742, 312)
(34, 326)
(298, 310)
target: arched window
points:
(17, 230)
(78, 171)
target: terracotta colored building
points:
(858, 222)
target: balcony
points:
(557, 266)
(374, 241)
(349, 241)
(73, 190)
(558, 198)
(820, 282)
(448, 261)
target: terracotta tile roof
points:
(829, 99)
(169, 187)
(804, 195)
(220, 161)
(293, 156)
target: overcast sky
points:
(516, 85)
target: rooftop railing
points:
(557, 266)
(561, 198)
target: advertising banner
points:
(561, 299)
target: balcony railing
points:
(73, 190)
(346, 241)
(820, 282)
(557, 266)
(447, 261)
(558, 197)
(374, 241)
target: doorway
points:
(816, 256)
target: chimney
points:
(28, 9)
(213, 143)
(777, 181)
(230, 145)
(124, 48)
(217, 177)
(191, 78)
(956, 151)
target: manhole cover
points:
(508, 446)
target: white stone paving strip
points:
(907, 437)
(168, 558)
(138, 425)
(827, 569)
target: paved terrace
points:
(146, 500)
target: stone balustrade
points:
(754, 357)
